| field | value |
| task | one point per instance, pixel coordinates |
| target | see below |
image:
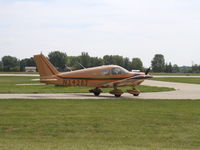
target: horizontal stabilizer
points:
(48, 79)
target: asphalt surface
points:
(183, 91)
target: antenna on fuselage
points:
(68, 68)
(82, 66)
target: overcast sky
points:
(132, 28)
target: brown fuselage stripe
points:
(83, 78)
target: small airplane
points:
(97, 77)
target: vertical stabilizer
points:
(45, 68)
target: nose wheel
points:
(134, 91)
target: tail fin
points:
(44, 67)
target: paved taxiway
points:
(183, 91)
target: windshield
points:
(118, 70)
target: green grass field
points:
(176, 74)
(179, 80)
(8, 85)
(99, 125)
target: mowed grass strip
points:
(8, 84)
(99, 124)
(175, 74)
(191, 80)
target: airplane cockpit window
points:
(124, 70)
(105, 72)
(119, 70)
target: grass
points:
(8, 85)
(179, 80)
(176, 74)
(99, 125)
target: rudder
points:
(45, 68)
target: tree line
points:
(158, 64)
(66, 63)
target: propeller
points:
(147, 71)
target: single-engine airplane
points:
(97, 77)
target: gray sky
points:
(132, 28)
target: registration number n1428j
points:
(75, 82)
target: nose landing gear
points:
(134, 91)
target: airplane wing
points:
(132, 81)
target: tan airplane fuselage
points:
(91, 77)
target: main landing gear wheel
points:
(96, 91)
(116, 92)
(117, 95)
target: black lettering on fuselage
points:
(75, 82)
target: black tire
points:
(136, 94)
(96, 93)
(117, 95)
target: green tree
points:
(85, 59)
(10, 64)
(113, 60)
(73, 62)
(158, 63)
(195, 68)
(58, 59)
(185, 69)
(168, 68)
(117, 60)
(199, 68)
(26, 62)
(175, 69)
(107, 60)
(95, 61)
(137, 64)
(1, 66)
(127, 64)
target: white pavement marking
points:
(21, 75)
(22, 84)
(55, 96)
